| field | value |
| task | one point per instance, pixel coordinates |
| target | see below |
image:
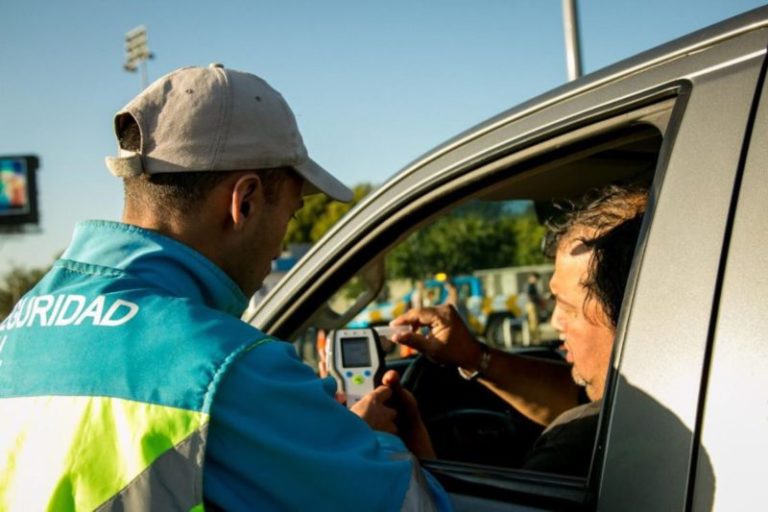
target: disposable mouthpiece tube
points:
(387, 331)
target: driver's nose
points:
(557, 320)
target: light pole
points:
(137, 52)
(572, 40)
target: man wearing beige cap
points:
(128, 380)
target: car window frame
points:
(555, 490)
(622, 447)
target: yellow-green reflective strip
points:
(198, 508)
(67, 453)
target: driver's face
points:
(584, 328)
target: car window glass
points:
(484, 256)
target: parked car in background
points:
(684, 417)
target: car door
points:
(733, 418)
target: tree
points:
(319, 214)
(14, 284)
(529, 235)
(475, 236)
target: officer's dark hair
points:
(608, 223)
(185, 191)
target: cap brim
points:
(317, 179)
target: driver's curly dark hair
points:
(608, 222)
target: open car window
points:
(483, 254)
(474, 239)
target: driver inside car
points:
(593, 247)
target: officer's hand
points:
(410, 425)
(448, 342)
(373, 410)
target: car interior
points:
(470, 425)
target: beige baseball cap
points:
(214, 119)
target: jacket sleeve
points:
(279, 441)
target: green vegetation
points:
(14, 284)
(475, 236)
(319, 215)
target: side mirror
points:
(366, 286)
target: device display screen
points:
(355, 352)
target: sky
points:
(374, 85)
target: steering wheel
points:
(466, 421)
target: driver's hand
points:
(373, 409)
(448, 342)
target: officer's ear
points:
(247, 200)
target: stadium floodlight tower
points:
(137, 52)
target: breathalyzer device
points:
(356, 360)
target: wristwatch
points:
(482, 367)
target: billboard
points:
(18, 190)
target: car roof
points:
(690, 43)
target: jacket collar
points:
(157, 259)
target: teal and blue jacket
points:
(128, 381)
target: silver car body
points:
(686, 415)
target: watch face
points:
(467, 375)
